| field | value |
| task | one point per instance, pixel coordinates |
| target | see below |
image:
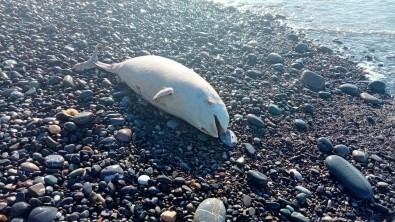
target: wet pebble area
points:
(315, 138)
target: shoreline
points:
(64, 160)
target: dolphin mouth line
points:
(220, 128)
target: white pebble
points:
(143, 179)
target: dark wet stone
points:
(342, 150)
(370, 99)
(308, 108)
(348, 88)
(43, 214)
(256, 121)
(111, 172)
(312, 80)
(274, 58)
(325, 49)
(20, 209)
(301, 124)
(86, 95)
(324, 145)
(77, 172)
(106, 101)
(87, 189)
(211, 209)
(298, 217)
(324, 94)
(164, 179)
(83, 118)
(15, 95)
(253, 73)
(50, 180)
(249, 148)
(257, 178)
(349, 176)
(302, 48)
(54, 161)
(377, 86)
(274, 109)
(273, 205)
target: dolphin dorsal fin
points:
(163, 92)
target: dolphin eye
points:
(204, 129)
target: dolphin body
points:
(171, 87)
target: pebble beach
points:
(315, 137)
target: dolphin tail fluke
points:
(93, 63)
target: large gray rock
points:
(210, 210)
(377, 86)
(312, 80)
(349, 176)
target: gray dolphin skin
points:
(171, 87)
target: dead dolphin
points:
(172, 87)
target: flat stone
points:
(370, 99)
(257, 178)
(359, 156)
(349, 176)
(377, 86)
(298, 217)
(324, 145)
(301, 48)
(36, 190)
(312, 80)
(168, 216)
(29, 167)
(211, 209)
(256, 121)
(348, 88)
(342, 150)
(83, 118)
(253, 73)
(110, 172)
(124, 135)
(54, 161)
(172, 124)
(43, 214)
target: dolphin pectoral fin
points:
(163, 92)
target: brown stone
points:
(54, 129)
(168, 216)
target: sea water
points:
(361, 30)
